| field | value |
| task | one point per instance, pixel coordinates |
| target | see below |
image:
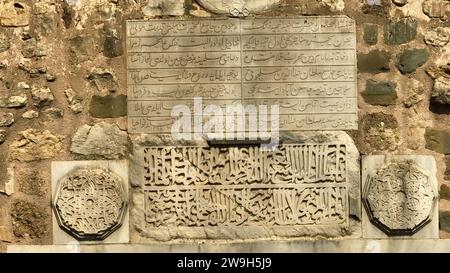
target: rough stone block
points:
(245, 8)
(441, 91)
(5, 235)
(444, 220)
(112, 46)
(6, 119)
(437, 36)
(378, 132)
(100, 141)
(435, 8)
(42, 96)
(14, 14)
(29, 220)
(17, 101)
(444, 192)
(438, 140)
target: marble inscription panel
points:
(305, 65)
(233, 186)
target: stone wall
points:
(63, 89)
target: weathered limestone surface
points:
(29, 219)
(102, 140)
(42, 96)
(34, 145)
(16, 101)
(153, 218)
(400, 196)
(376, 61)
(378, 132)
(241, 8)
(380, 93)
(92, 212)
(163, 7)
(75, 101)
(14, 14)
(438, 36)
(295, 246)
(400, 31)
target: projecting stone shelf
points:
(290, 246)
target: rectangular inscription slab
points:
(306, 65)
(193, 191)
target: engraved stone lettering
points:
(305, 65)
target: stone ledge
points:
(297, 246)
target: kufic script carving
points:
(233, 186)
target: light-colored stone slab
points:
(185, 192)
(5, 234)
(294, 246)
(237, 8)
(421, 166)
(61, 169)
(304, 65)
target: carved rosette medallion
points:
(90, 203)
(399, 198)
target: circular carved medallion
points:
(90, 203)
(399, 198)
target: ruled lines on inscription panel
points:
(305, 65)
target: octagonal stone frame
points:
(383, 227)
(74, 233)
(428, 228)
(119, 233)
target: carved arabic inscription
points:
(203, 186)
(305, 65)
